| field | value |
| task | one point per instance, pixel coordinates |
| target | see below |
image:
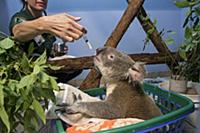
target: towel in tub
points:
(95, 124)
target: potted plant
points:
(189, 52)
(190, 49)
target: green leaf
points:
(19, 103)
(155, 22)
(1, 95)
(31, 121)
(182, 54)
(150, 31)
(44, 77)
(171, 32)
(24, 81)
(3, 114)
(39, 110)
(6, 43)
(182, 4)
(36, 69)
(52, 67)
(169, 41)
(41, 60)
(30, 49)
(12, 84)
(53, 83)
(48, 93)
(25, 66)
(4, 118)
(188, 32)
(197, 11)
(27, 80)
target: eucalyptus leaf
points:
(182, 54)
(30, 119)
(44, 77)
(54, 83)
(169, 41)
(27, 81)
(36, 69)
(18, 103)
(150, 31)
(155, 21)
(182, 4)
(25, 66)
(4, 118)
(55, 67)
(41, 60)
(6, 43)
(23, 83)
(1, 95)
(30, 49)
(197, 11)
(188, 32)
(39, 110)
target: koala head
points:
(116, 66)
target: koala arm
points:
(100, 109)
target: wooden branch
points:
(128, 16)
(155, 37)
(87, 61)
(74, 63)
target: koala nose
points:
(99, 50)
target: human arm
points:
(62, 25)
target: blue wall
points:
(100, 18)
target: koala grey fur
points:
(124, 95)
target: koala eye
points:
(111, 57)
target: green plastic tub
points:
(174, 107)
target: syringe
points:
(87, 41)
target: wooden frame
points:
(133, 10)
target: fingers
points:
(69, 33)
(73, 17)
(65, 26)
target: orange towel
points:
(102, 124)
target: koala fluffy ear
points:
(137, 72)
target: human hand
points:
(63, 26)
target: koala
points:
(125, 97)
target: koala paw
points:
(72, 109)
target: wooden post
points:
(128, 16)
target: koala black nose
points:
(99, 50)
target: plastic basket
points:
(174, 107)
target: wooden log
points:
(128, 16)
(122, 26)
(87, 61)
(155, 37)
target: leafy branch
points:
(24, 84)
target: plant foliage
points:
(24, 85)
(190, 49)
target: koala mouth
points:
(135, 69)
(96, 58)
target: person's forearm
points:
(27, 30)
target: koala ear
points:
(137, 72)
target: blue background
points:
(100, 18)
